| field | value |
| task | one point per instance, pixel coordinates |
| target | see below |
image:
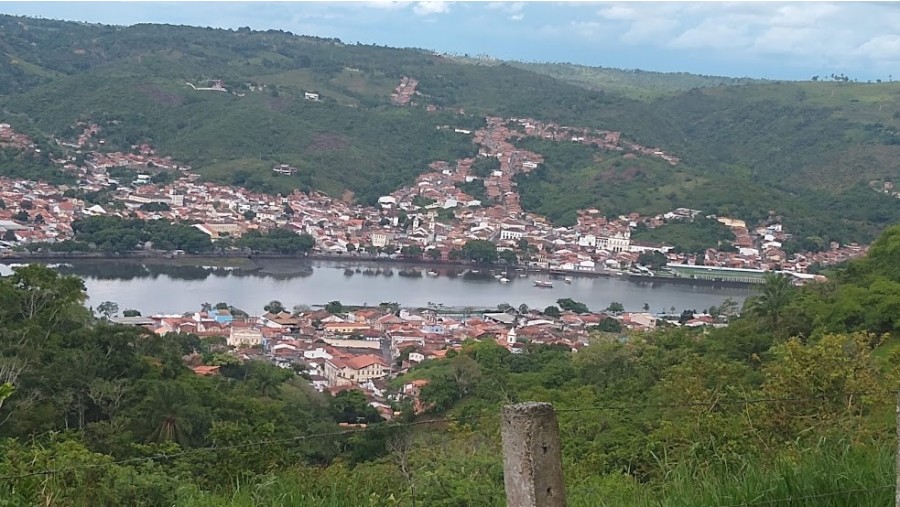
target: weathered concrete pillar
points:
(532, 456)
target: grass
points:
(827, 475)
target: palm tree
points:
(167, 407)
(773, 297)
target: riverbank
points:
(246, 262)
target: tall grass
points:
(828, 475)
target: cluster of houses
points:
(433, 214)
(9, 138)
(404, 92)
(365, 348)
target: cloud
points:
(715, 35)
(432, 7)
(388, 4)
(517, 17)
(510, 7)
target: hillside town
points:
(433, 214)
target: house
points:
(205, 371)
(284, 169)
(311, 96)
(381, 239)
(222, 316)
(244, 337)
(358, 369)
(345, 328)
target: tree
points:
(411, 251)
(434, 254)
(249, 215)
(774, 296)
(610, 325)
(654, 260)
(274, 306)
(480, 251)
(9, 235)
(615, 307)
(108, 309)
(570, 305)
(508, 257)
(646, 307)
(523, 309)
(334, 307)
(552, 311)
(21, 216)
(168, 415)
(131, 313)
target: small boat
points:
(567, 279)
(543, 284)
(504, 280)
(498, 276)
(432, 273)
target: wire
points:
(165, 456)
(810, 497)
(695, 404)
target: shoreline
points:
(236, 260)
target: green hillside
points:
(634, 83)
(804, 151)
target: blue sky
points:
(757, 39)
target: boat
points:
(504, 280)
(432, 273)
(568, 279)
(543, 284)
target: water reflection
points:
(125, 271)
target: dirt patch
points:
(161, 97)
(348, 196)
(327, 142)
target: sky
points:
(774, 40)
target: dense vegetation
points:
(804, 151)
(793, 399)
(688, 236)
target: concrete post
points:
(532, 456)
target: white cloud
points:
(388, 4)
(713, 35)
(881, 47)
(510, 7)
(517, 17)
(619, 12)
(431, 7)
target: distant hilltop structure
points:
(214, 85)
(285, 169)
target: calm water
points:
(161, 288)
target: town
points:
(433, 219)
(337, 348)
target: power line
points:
(810, 497)
(710, 403)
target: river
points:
(171, 287)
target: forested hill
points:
(810, 152)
